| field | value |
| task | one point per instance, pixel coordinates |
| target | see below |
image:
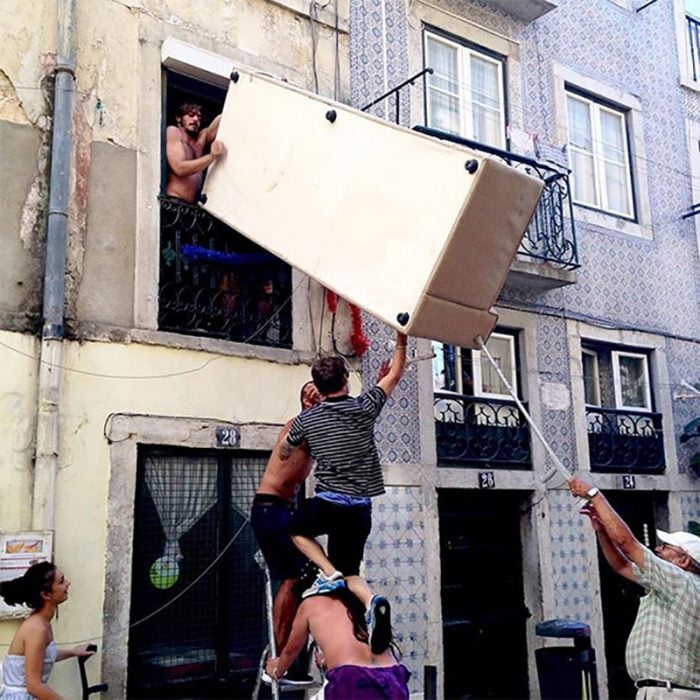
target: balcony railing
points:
(693, 47)
(622, 440)
(216, 283)
(551, 236)
(475, 431)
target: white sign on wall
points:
(19, 551)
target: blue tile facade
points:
(624, 282)
(395, 564)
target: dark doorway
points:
(620, 597)
(197, 625)
(483, 608)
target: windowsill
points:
(617, 223)
(693, 85)
(100, 332)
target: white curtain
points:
(183, 490)
(486, 103)
(443, 92)
(581, 152)
(613, 143)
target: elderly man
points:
(190, 150)
(663, 649)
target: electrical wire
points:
(166, 375)
(168, 603)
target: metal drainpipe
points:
(51, 353)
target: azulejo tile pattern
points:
(624, 282)
(395, 566)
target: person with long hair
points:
(336, 621)
(33, 652)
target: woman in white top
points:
(33, 652)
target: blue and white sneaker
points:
(378, 619)
(324, 584)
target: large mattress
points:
(418, 232)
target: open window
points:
(624, 432)
(214, 282)
(465, 372)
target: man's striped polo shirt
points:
(340, 435)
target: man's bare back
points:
(282, 477)
(332, 630)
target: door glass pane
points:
(444, 112)
(584, 178)
(633, 387)
(612, 137)
(580, 133)
(616, 188)
(501, 349)
(443, 59)
(590, 380)
(486, 101)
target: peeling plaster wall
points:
(18, 370)
(112, 259)
(26, 59)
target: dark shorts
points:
(347, 528)
(270, 517)
(367, 683)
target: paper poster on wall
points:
(18, 551)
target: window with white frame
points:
(631, 381)
(599, 155)
(591, 377)
(470, 373)
(465, 94)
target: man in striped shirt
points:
(663, 649)
(340, 434)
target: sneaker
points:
(378, 619)
(324, 584)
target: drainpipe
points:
(51, 352)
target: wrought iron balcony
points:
(473, 431)
(551, 236)
(216, 283)
(622, 440)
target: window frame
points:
(597, 106)
(465, 50)
(596, 371)
(615, 356)
(476, 368)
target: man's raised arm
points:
(614, 526)
(398, 364)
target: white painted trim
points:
(693, 133)
(476, 366)
(616, 355)
(596, 370)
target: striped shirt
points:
(664, 643)
(340, 434)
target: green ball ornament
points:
(164, 572)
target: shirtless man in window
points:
(190, 150)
